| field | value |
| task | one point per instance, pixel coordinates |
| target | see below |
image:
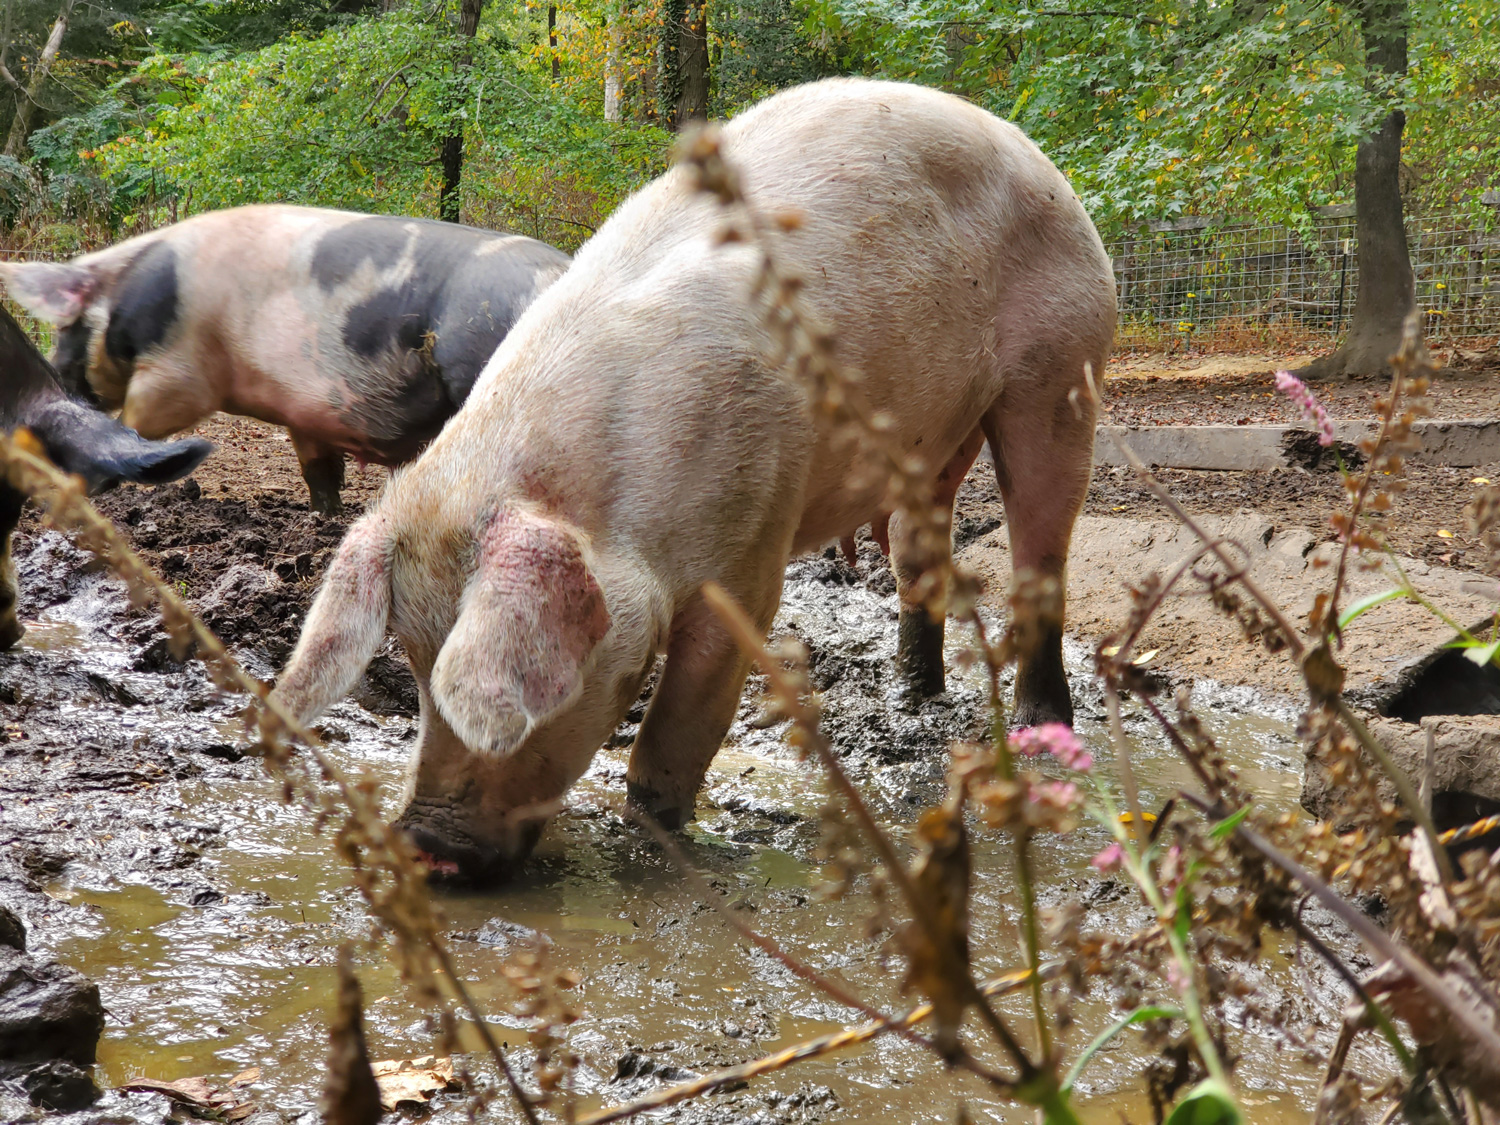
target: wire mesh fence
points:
(1198, 279)
(1220, 281)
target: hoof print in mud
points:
(633, 1064)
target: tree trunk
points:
(1387, 288)
(552, 39)
(682, 64)
(613, 76)
(692, 66)
(20, 124)
(453, 145)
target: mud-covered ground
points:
(138, 845)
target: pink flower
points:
(1058, 794)
(1110, 858)
(1056, 739)
(1296, 390)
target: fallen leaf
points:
(200, 1097)
(1480, 480)
(402, 1081)
(1146, 657)
(1444, 533)
(189, 1091)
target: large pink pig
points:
(630, 440)
(361, 334)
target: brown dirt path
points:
(1240, 390)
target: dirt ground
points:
(1240, 390)
(1144, 390)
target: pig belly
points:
(327, 412)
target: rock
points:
(237, 587)
(12, 931)
(1465, 774)
(47, 1011)
(61, 1086)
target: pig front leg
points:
(323, 470)
(919, 638)
(691, 710)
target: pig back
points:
(638, 395)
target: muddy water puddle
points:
(225, 961)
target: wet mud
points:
(142, 849)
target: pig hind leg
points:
(1043, 443)
(691, 709)
(323, 470)
(919, 638)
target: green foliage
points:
(349, 118)
(355, 118)
(1209, 1103)
(760, 49)
(1156, 110)
(1169, 108)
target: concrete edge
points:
(1461, 443)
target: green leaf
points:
(1208, 1103)
(1482, 654)
(1140, 1015)
(1229, 823)
(1364, 605)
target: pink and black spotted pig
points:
(361, 334)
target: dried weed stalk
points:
(1438, 954)
(934, 891)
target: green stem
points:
(1033, 945)
(1006, 762)
(1056, 1109)
(1190, 1005)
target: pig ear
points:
(55, 292)
(345, 625)
(530, 619)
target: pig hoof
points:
(1035, 712)
(11, 631)
(669, 814)
(326, 505)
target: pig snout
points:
(452, 852)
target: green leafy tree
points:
(362, 116)
(1176, 107)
